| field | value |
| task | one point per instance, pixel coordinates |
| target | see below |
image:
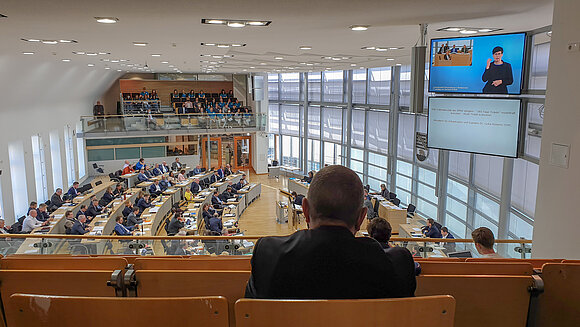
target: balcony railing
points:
(160, 123)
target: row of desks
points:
(298, 186)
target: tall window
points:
(359, 84)
(81, 153)
(273, 86)
(314, 85)
(290, 86)
(358, 128)
(18, 178)
(39, 168)
(379, 85)
(273, 118)
(333, 86)
(69, 153)
(56, 160)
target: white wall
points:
(557, 213)
(110, 166)
(259, 139)
(37, 98)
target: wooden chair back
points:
(165, 283)
(558, 304)
(439, 259)
(241, 264)
(536, 263)
(63, 263)
(64, 311)
(482, 300)
(476, 268)
(435, 311)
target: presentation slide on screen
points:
(488, 126)
(483, 64)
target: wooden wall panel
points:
(164, 88)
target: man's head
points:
(380, 229)
(196, 180)
(42, 207)
(430, 222)
(119, 186)
(82, 219)
(127, 162)
(141, 160)
(68, 214)
(135, 210)
(156, 165)
(444, 231)
(483, 239)
(156, 182)
(216, 193)
(176, 159)
(146, 196)
(33, 213)
(33, 204)
(119, 219)
(83, 208)
(98, 103)
(335, 197)
(497, 53)
(164, 163)
(58, 191)
(142, 171)
(2, 223)
(95, 202)
(76, 185)
(383, 187)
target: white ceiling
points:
(173, 29)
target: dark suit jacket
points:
(153, 189)
(78, 228)
(44, 216)
(195, 188)
(72, 192)
(227, 172)
(127, 211)
(324, 263)
(175, 165)
(157, 171)
(106, 199)
(214, 179)
(215, 225)
(433, 232)
(92, 211)
(206, 217)
(174, 226)
(143, 204)
(216, 201)
(56, 200)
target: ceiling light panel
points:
(50, 42)
(223, 45)
(469, 30)
(107, 20)
(235, 23)
(359, 27)
(140, 44)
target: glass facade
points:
(462, 191)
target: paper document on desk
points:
(230, 215)
(416, 229)
(58, 216)
(153, 210)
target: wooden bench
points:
(64, 311)
(432, 311)
(63, 263)
(241, 264)
(558, 304)
(167, 283)
(439, 259)
(482, 300)
(475, 268)
(536, 263)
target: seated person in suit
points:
(449, 247)
(215, 226)
(155, 189)
(216, 201)
(128, 208)
(164, 168)
(175, 225)
(107, 197)
(156, 171)
(326, 261)
(94, 209)
(197, 170)
(141, 164)
(127, 168)
(82, 211)
(308, 179)
(56, 200)
(297, 198)
(371, 213)
(144, 203)
(220, 172)
(484, 240)
(119, 190)
(228, 171)
(3, 228)
(142, 177)
(164, 183)
(133, 218)
(233, 186)
(215, 177)
(42, 212)
(208, 212)
(30, 222)
(228, 193)
(80, 226)
(176, 165)
(72, 191)
(195, 187)
(120, 229)
(432, 231)
(384, 192)
(32, 206)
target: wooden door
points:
(242, 152)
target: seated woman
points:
(223, 95)
(231, 94)
(175, 95)
(171, 178)
(153, 95)
(183, 94)
(181, 177)
(191, 94)
(201, 94)
(188, 195)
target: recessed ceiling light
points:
(236, 24)
(115, 61)
(217, 57)
(390, 59)
(361, 67)
(453, 29)
(395, 48)
(170, 66)
(359, 27)
(237, 45)
(262, 63)
(103, 53)
(91, 65)
(352, 65)
(252, 67)
(398, 64)
(309, 64)
(223, 45)
(65, 41)
(49, 41)
(279, 58)
(107, 20)
(305, 47)
(79, 52)
(381, 49)
(215, 21)
(28, 53)
(155, 55)
(91, 54)
(66, 60)
(140, 44)
(123, 60)
(107, 68)
(468, 32)
(256, 23)
(31, 40)
(244, 70)
(336, 58)
(119, 70)
(485, 30)
(165, 62)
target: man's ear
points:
(361, 218)
(306, 210)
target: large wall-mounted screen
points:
(490, 64)
(477, 125)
